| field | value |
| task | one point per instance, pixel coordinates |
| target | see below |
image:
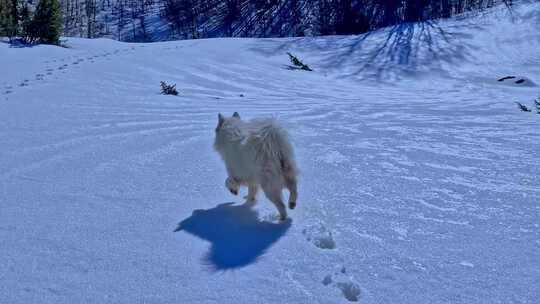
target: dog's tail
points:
(276, 147)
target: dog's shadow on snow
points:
(236, 233)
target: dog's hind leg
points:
(272, 190)
(290, 183)
(288, 172)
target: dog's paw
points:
(292, 205)
(232, 185)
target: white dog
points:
(257, 152)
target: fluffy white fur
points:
(257, 153)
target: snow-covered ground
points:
(420, 177)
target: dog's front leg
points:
(252, 193)
(232, 185)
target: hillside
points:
(419, 174)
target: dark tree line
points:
(135, 20)
(263, 18)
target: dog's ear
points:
(236, 115)
(221, 119)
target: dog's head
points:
(224, 121)
(227, 130)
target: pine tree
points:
(522, 107)
(47, 24)
(298, 63)
(14, 17)
(232, 13)
(3, 18)
(8, 25)
(26, 22)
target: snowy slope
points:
(420, 177)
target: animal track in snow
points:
(62, 67)
(48, 71)
(320, 236)
(8, 90)
(349, 289)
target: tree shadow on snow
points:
(407, 49)
(17, 43)
(237, 236)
